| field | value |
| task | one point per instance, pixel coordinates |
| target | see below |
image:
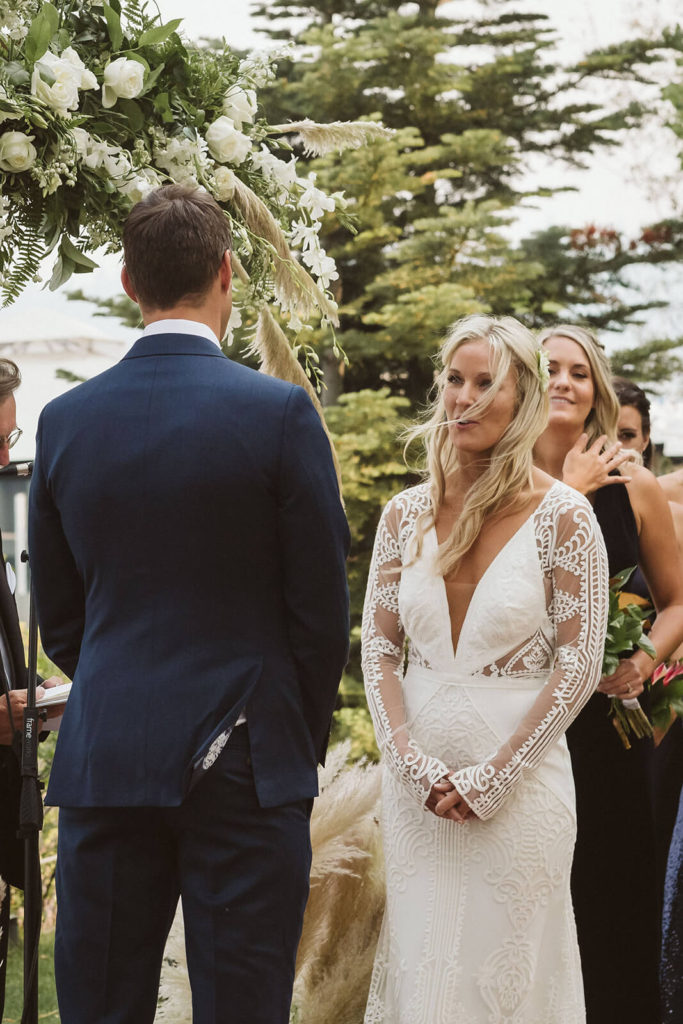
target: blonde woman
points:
(489, 582)
(614, 881)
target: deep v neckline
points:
(477, 586)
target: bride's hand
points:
(446, 802)
(586, 469)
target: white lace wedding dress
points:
(479, 927)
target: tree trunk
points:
(333, 368)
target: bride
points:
(494, 577)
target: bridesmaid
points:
(667, 762)
(614, 883)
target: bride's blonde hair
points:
(604, 416)
(508, 473)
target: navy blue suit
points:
(187, 546)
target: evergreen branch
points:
(27, 258)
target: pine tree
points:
(471, 101)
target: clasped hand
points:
(446, 802)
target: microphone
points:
(17, 469)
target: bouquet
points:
(101, 102)
(626, 631)
(666, 692)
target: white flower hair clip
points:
(543, 368)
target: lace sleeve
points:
(577, 583)
(383, 654)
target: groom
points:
(189, 543)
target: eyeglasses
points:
(10, 439)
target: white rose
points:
(240, 105)
(224, 181)
(123, 79)
(85, 79)
(226, 144)
(62, 93)
(116, 164)
(136, 188)
(17, 152)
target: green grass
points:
(47, 997)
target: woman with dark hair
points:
(667, 763)
(633, 429)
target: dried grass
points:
(271, 347)
(175, 995)
(320, 139)
(295, 289)
(345, 907)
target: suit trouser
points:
(241, 871)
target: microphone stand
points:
(31, 802)
(31, 823)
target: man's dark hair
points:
(173, 243)
(10, 378)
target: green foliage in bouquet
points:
(625, 629)
(666, 693)
(625, 632)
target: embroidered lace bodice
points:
(537, 615)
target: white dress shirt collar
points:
(180, 327)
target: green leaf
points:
(151, 78)
(163, 108)
(16, 73)
(61, 272)
(133, 111)
(617, 582)
(69, 251)
(659, 713)
(114, 27)
(153, 36)
(161, 104)
(646, 645)
(42, 29)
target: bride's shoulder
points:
(410, 502)
(563, 508)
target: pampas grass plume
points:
(320, 139)
(271, 348)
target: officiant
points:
(12, 688)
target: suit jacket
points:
(11, 848)
(188, 547)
